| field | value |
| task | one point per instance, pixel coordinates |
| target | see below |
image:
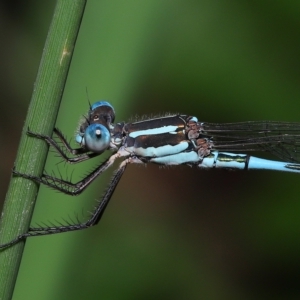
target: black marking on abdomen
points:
(292, 166)
(244, 159)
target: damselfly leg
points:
(93, 220)
(82, 154)
(65, 186)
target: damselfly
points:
(168, 140)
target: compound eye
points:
(96, 138)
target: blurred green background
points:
(168, 233)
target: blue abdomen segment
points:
(231, 160)
(245, 162)
(260, 163)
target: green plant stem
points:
(41, 117)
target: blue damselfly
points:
(167, 140)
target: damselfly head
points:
(101, 112)
(95, 138)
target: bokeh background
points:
(169, 232)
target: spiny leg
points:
(93, 220)
(66, 186)
(64, 141)
(82, 154)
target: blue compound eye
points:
(96, 138)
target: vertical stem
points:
(41, 117)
